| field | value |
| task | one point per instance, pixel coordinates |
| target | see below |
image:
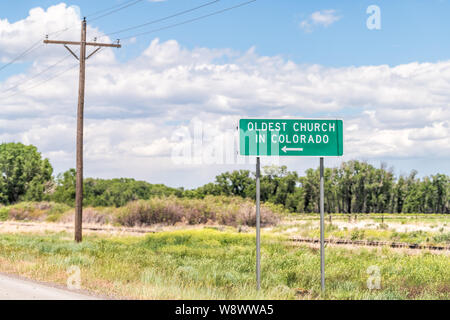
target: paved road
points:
(12, 288)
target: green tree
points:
(355, 186)
(413, 197)
(236, 183)
(399, 192)
(66, 187)
(441, 184)
(25, 175)
(108, 192)
(277, 184)
(346, 188)
(310, 184)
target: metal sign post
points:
(258, 225)
(322, 229)
(291, 138)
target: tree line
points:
(353, 187)
(26, 176)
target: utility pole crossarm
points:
(71, 52)
(94, 44)
(94, 52)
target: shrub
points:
(4, 214)
(383, 226)
(233, 211)
(357, 234)
(444, 237)
(33, 211)
(26, 211)
(90, 215)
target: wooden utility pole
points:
(80, 117)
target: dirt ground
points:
(408, 225)
(379, 249)
(42, 227)
(108, 230)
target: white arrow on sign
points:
(286, 149)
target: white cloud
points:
(59, 22)
(325, 17)
(133, 108)
(322, 18)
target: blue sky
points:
(412, 30)
(275, 58)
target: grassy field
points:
(213, 264)
(237, 212)
(420, 228)
(206, 250)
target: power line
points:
(189, 21)
(23, 54)
(40, 73)
(37, 74)
(122, 5)
(33, 47)
(36, 45)
(161, 19)
(116, 10)
(113, 10)
(92, 14)
(43, 82)
(107, 9)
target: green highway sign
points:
(290, 137)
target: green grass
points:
(210, 264)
